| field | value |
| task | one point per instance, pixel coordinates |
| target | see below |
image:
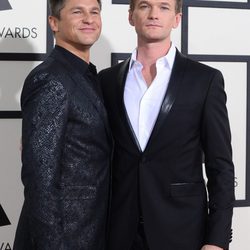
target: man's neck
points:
(81, 52)
(149, 53)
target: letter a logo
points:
(4, 221)
(5, 5)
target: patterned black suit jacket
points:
(66, 160)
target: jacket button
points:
(143, 160)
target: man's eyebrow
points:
(82, 8)
(143, 2)
(96, 8)
(147, 2)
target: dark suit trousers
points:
(140, 241)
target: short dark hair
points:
(178, 5)
(57, 5)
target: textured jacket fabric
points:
(66, 160)
(167, 176)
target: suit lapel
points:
(168, 101)
(87, 87)
(121, 78)
(175, 82)
(90, 92)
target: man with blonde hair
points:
(165, 111)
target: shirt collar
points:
(77, 63)
(168, 59)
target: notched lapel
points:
(121, 78)
(175, 82)
(92, 95)
(87, 89)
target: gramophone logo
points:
(5, 5)
(24, 31)
(4, 221)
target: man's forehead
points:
(73, 4)
(155, 1)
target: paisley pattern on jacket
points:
(66, 158)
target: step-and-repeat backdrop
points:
(213, 32)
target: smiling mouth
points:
(87, 29)
(153, 25)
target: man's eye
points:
(95, 12)
(77, 12)
(143, 6)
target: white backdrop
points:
(215, 32)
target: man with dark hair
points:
(165, 111)
(66, 141)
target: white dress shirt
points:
(143, 103)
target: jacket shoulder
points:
(111, 71)
(196, 66)
(114, 75)
(49, 74)
(50, 68)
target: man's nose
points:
(153, 13)
(87, 17)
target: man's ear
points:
(53, 22)
(177, 20)
(130, 17)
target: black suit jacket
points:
(167, 177)
(66, 160)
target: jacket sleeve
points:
(216, 140)
(44, 110)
